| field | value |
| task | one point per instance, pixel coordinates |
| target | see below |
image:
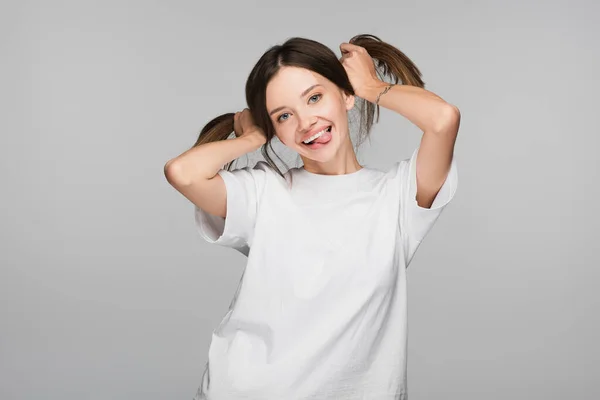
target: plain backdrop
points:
(108, 292)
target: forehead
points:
(289, 83)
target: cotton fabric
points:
(320, 311)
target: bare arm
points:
(439, 121)
(195, 172)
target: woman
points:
(320, 312)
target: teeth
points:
(316, 135)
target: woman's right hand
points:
(244, 126)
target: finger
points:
(344, 49)
(349, 47)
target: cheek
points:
(285, 137)
(336, 110)
(286, 132)
(329, 107)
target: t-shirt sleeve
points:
(244, 190)
(416, 221)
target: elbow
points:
(449, 120)
(174, 173)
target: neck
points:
(344, 162)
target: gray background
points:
(108, 292)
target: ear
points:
(349, 101)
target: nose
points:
(307, 122)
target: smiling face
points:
(302, 103)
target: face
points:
(301, 103)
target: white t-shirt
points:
(320, 311)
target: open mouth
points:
(320, 138)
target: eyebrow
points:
(301, 96)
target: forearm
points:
(205, 161)
(423, 108)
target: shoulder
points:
(260, 168)
(259, 172)
(262, 175)
(402, 167)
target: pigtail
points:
(391, 65)
(219, 128)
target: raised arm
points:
(439, 122)
(194, 173)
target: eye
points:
(311, 97)
(318, 94)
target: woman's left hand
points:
(359, 66)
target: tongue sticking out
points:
(325, 137)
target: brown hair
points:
(316, 57)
